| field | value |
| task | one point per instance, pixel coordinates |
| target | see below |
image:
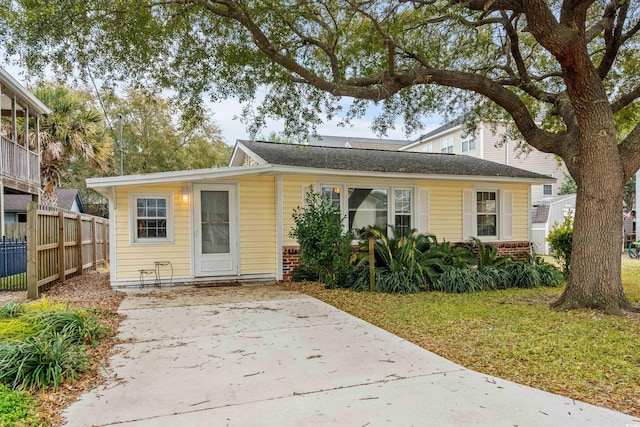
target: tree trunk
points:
(595, 271)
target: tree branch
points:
(629, 150)
(625, 100)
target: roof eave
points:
(14, 86)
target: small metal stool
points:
(157, 271)
(144, 271)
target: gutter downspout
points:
(279, 226)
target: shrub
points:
(39, 362)
(398, 262)
(532, 273)
(302, 274)
(324, 246)
(11, 310)
(461, 280)
(486, 254)
(16, 408)
(78, 327)
(560, 240)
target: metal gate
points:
(13, 264)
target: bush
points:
(39, 362)
(78, 327)
(399, 266)
(560, 240)
(324, 246)
(532, 273)
(16, 408)
(11, 310)
(462, 280)
(301, 274)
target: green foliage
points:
(486, 254)
(77, 327)
(16, 408)
(461, 280)
(41, 361)
(560, 240)
(10, 310)
(324, 245)
(568, 186)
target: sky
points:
(226, 115)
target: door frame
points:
(234, 224)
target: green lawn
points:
(514, 335)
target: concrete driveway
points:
(260, 356)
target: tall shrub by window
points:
(325, 246)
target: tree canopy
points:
(562, 70)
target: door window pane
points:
(214, 215)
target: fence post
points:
(372, 265)
(94, 245)
(80, 255)
(32, 250)
(62, 255)
(105, 243)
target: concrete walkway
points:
(261, 357)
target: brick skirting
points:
(291, 254)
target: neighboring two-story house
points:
(19, 141)
(487, 144)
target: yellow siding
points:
(291, 199)
(257, 225)
(521, 207)
(132, 257)
(445, 197)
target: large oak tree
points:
(573, 62)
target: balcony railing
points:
(19, 163)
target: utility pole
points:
(120, 142)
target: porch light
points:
(185, 194)
(336, 190)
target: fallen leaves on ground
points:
(514, 335)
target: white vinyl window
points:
(446, 144)
(427, 148)
(151, 220)
(366, 206)
(487, 213)
(547, 189)
(468, 145)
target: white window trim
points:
(390, 187)
(133, 239)
(499, 219)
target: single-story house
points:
(545, 213)
(233, 223)
(16, 204)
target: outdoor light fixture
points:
(185, 194)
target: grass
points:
(513, 334)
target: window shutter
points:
(423, 210)
(305, 190)
(467, 214)
(507, 215)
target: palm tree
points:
(73, 131)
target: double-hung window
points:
(446, 144)
(468, 145)
(487, 213)
(151, 218)
(366, 206)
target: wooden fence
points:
(62, 243)
(15, 230)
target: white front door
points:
(215, 230)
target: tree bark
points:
(595, 271)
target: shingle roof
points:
(341, 141)
(540, 213)
(355, 159)
(18, 202)
(445, 127)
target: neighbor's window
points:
(151, 218)
(427, 148)
(446, 145)
(468, 145)
(547, 189)
(487, 213)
